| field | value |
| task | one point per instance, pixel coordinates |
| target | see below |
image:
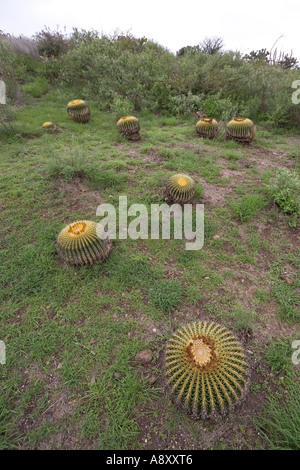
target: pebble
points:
(143, 357)
(216, 237)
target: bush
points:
(284, 188)
(185, 105)
(51, 43)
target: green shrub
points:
(285, 191)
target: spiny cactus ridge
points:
(129, 127)
(180, 188)
(241, 129)
(79, 111)
(79, 243)
(207, 128)
(206, 369)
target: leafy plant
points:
(284, 188)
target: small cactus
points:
(207, 128)
(241, 129)
(79, 111)
(129, 127)
(180, 188)
(78, 243)
(49, 126)
(206, 369)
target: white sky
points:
(244, 26)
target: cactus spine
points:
(207, 128)
(241, 129)
(180, 188)
(129, 127)
(79, 111)
(206, 369)
(79, 243)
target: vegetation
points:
(74, 334)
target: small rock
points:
(117, 375)
(249, 432)
(216, 237)
(93, 380)
(152, 379)
(59, 365)
(207, 277)
(250, 352)
(288, 281)
(143, 357)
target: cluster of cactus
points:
(241, 129)
(207, 127)
(79, 111)
(129, 127)
(206, 369)
(80, 243)
(180, 188)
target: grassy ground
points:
(71, 380)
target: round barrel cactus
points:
(78, 243)
(49, 126)
(241, 129)
(207, 128)
(79, 111)
(180, 188)
(129, 127)
(206, 369)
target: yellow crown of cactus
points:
(80, 243)
(206, 369)
(180, 188)
(129, 127)
(207, 127)
(48, 125)
(241, 129)
(79, 111)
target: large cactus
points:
(207, 128)
(206, 369)
(79, 111)
(129, 127)
(79, 243)
(241, 129)
(180, 188)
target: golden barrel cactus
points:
(241, 129)
(78, 243)
(129, 127)
(180, 188)
(79, 111)
(207, 128)
(206, 369)
(49, 126)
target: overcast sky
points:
(244, 26)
